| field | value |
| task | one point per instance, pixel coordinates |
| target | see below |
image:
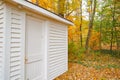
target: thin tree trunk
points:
(111, 41)
(116, 37)
(90, 26)
(116, 33)
(81, 24)
(100, 42)
(81, 36)
(113, 25)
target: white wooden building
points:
(33, 42)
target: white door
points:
(34, 56)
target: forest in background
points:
(97, 23)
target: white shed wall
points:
(17, 45)
(57, 50)
(12, 24)
(2, 38)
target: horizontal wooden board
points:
(16, 77)
(15, 68)
(15, 73)
(15, 63)
(16, 45)
(57, 50)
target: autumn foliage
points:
(94, 40)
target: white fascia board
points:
(42, 11)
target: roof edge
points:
(42, 11)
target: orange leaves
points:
(94, 40)
(80, 72)
(34, 1)
(71, 18)
(44, 3)
(93, 67)
(72, 33)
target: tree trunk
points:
(81, 23)
(100, 42)
(90, 25)
(111, 41)
(117, 38)
(113, 25)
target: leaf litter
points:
(100, 67)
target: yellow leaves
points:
(80, 72)
(89, 10)
(34, 1)
(89, 3)
(93, 67)
(73, 33)
(77, 23)
(94, 40)
(71, 18)
(44, 3)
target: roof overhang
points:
(41, 11)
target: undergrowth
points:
(97, 59)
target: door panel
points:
(34, 55)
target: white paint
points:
(46, 43)
(17, 44)
(23, 16)
(34, 55)
(2, 38)
(7, 41)
(57, 49)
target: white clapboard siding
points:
(57, 50)
(16, 45)
(2, 40)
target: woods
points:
(97, 23)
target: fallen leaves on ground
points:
(100, 67)
(79, 72)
